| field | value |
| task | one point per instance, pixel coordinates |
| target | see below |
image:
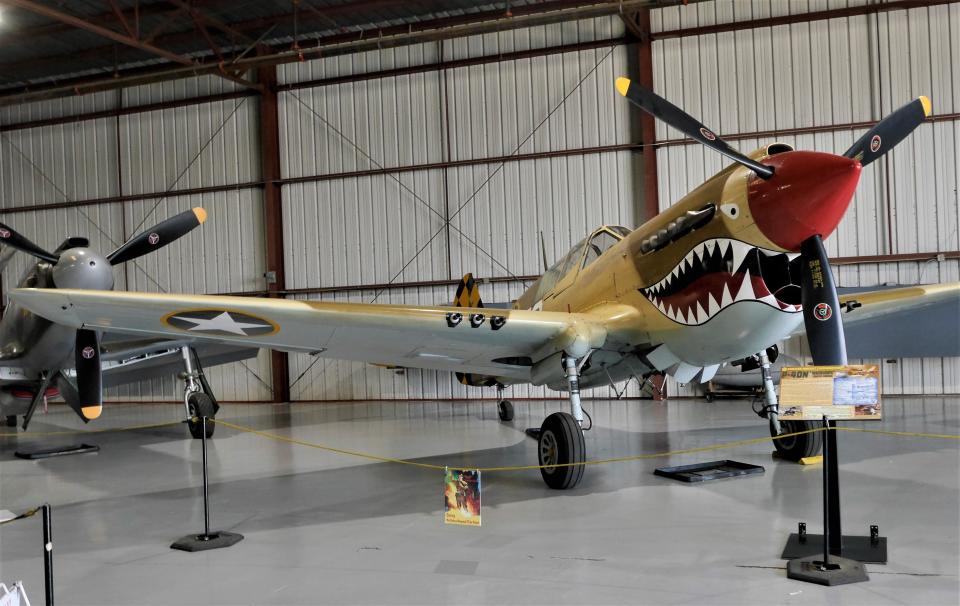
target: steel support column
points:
(273, 213)
(639, 25)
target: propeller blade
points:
(15, 240)
(89, 375)
(660, 108)
(890, 131)
(821, 306)
(159, 236)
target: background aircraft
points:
(40, 359)
(732, 268)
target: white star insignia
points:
(224, 322)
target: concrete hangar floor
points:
(323, 528)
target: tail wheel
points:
(561, 443)
(200, 405)
(798, 447)
(505, 410)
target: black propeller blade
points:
(821, 306)
(886, 133)
(660, 108)
(89, 376)
(159, 236)
(13, 239)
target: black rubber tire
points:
(561, 441)
(505, 410)
(709, 397)
(11, 421)
(200, 405)
(798, 447)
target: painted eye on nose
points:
(731, 210)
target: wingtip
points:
(623, 85)
(925, 101)
(201, 214)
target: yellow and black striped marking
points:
(468, 293)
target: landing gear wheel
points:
(561, 442)
(200, 405)
(11, 421)
(798, 447)
(505, 410)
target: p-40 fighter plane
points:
(725, 273)
(39, 359)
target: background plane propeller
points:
(76, 266)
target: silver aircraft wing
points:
(483, 341)
(906, 322)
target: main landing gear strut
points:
(790, 449)
(560, 445)
(198, 398)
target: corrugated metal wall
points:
(392, 227)
(822, 73)
(165, 150)
(435, 223)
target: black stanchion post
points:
(831, 462)
(822, 569)
(827, 459)
(208, 540)
(47, 554)
(206, 484)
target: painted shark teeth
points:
(727, 256)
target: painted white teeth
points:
(701, 314)
(725, 298)
(740, 251)
(712, 306)
(746, 289)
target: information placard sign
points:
(851, 393)
(461, 497)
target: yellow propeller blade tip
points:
(925, 101)
(623, 84)
(91, 412)
(201, 214)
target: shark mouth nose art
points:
(720, 272)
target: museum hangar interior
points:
(278, 275)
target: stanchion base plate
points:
(842, 572)
(199, 542)
(861, 549)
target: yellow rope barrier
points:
(382, 459)
(670, 453)
(908, 434)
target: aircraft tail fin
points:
(468, 293)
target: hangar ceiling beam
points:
(121, 38)
(495, 20)
(833, 13)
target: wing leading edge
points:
(440, 338)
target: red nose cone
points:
(807, 196)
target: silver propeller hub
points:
(83, 268)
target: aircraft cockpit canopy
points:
(597, 243)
